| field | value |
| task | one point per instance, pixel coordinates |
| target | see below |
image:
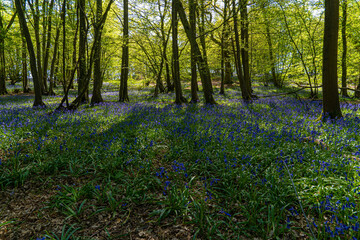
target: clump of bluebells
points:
(230, 170)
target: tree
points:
(277, 83)
(331, 104)
(37, 87)
(123, 92)
(245, 43)
(47, 48)
(245, 91)
(36, 18)
(201, 62)
(96, 97)
(179, 99)
(194, 85)
(82, 80)
(3, 32)
(344, 49)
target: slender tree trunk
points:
(165, 38)
(245, 91)
(64, 73)
(2, 58)
(222, 64)
(202, 34)
(344, 48)
(37, 87)
(47, 48)
(38, 43)
(82, 54)
(45, 24)
(226, 51)
(54, 61)
(245, 42)
(3, 32)
(24, 69)
(96, 97)
(123, 93)
(176, 66)
(74, 59)
(26, 88)
(159, 86)
(194, 84)
(271, 55)
(331, 104)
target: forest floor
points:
(149, 169)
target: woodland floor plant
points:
(153, 169)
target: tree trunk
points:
(85, 87)
(123, 93)
(344, 48)
(194, 84)
(47, 48)
(3, 32)
(202, 64)
(2, 58)
(82, 80)
(245, 43)
(74, 59)
(164, 40)
(36, 14)
(54, 61)
(222, 65)
(26, 88)
(96, 97)
(331, 105)
(245, 91)
(271, 55)
(175, 48)
(46, 16)
(37, 87)
(202, 34)
(159, 86)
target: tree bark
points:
(37, 87)
(2, 58)
(82, 80)
(123, 93)
(344, 50)
(179, 99)
(47, 48)
(64, 72)
(202, 64)
(245, 43)
(194, 84)
(24, 70)
(96, 97)
(331, 104)
(245, 91)
(36, 14)
(54, 61)
(3, 32)
(274, 79)
(202, 34)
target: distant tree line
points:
(174, 42)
